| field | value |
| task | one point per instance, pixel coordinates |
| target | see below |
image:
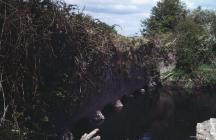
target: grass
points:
(204, 75)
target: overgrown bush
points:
(189, 45)
(52, 58)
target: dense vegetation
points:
(189, 35)
(164, 17)
(47, 51)
(52, 58)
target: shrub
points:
(189, 45)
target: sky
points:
(128, 14)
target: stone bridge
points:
(129, 72)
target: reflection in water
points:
(191, 107)
(162, 118)
(146, 136)
(173, 116)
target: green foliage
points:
(202, 17)
(189, 45)
(188, 35)
(196, 40)
(164, 17)
(206, 75)
(207, 19)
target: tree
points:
(189, 45)
(207, 19)
(164, 17)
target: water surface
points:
(173, 116)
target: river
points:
(172, 117)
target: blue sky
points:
(128, 13)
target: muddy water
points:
(172, 117)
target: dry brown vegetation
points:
(53, 57)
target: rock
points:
(207, 130)
(130, 96)
(152, 85)
(67, 135)
(142, 91)
(91, 136)
(118, 105)
(139, 92)
(98, 118)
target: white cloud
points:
(128, 13)
(124, 7)
(72, 1)
(143, 1)
(125, 13)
